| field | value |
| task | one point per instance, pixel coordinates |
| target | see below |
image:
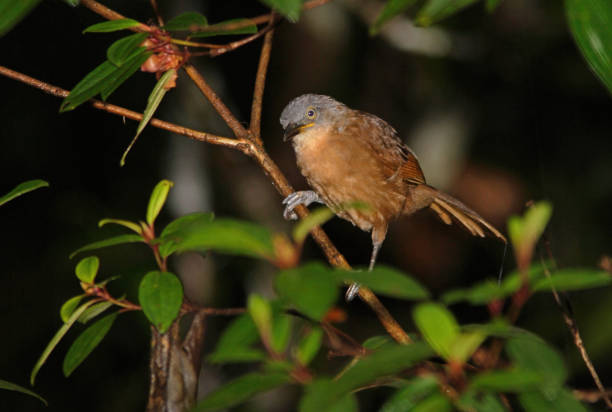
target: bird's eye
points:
(311, 113)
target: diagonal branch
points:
(260, 83)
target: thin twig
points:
(234, 45)
(160, 20)
(109, 14)
(260, 83)
(217, 103)
(243, 146)
(571, 324)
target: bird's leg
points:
(378, 236)
(302, 197)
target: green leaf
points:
(69, 307)
(124, 72)
(376, 342)
(237, 355)
(511, 380)
(88, 87)
(10, 386)
(525, 231)
(94, 311)
(434, 403)
(160, 294)
(388, 360)
(392, 8)
(111, 25)
(309, 346)
(87, 269)
(487, 402)
(56, 338)
(492, 5)
(225, 235)
(172, 234)
(348, 403)
(135, 227)
(13, 11)
(411, 395)
(311, 288)
(87, 342)
(291, 9)
(591, 25)
(436, 10)
(281, 331)
(573, 279)
(385, 281)
(22, 188)
(536, 402)
(186, 22)
(465, 344)
(261, 313)
(227, 27)
(155, 98)
(240, 390)
(233, 346)
(157, 200)
(72, 3)
(480, 294)
(123, 49)
(438, 327)
(316, 218)
(117, 240)
(531, 353)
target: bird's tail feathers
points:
(448, 209)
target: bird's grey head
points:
(308, 110)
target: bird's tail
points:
(448, 209)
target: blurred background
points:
(500, 108)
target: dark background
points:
(500, 108)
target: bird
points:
(350, 156)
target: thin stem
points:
(160, 20)
(109, 14)
(243, 146)
(260, 83)
(234, 45)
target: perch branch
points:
(260, 82)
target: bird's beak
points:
(295, 129)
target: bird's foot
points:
(302, 197)
(351, 292)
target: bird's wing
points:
(398, 162)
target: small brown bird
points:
(351, 156)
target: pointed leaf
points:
(465, 344)
(436, 10)
(87, 269)
(234, 344)
(479, 294)
(408, 397)
(291, 9)
(261, 312)
(125, 223)
(492, 5)
(87, 342)
(88, 87)
(281, 332)
(392, 8)
(591, 25)
(10, 386)
(155, 98)
(227, 236)
(172, 234)
(186, 21)
(385, 281)
(573, 279)
(525, 231)
(240, 390)
(434, 403)
(123, 49)
(487, 402)
(56, 338)
(117, 240)
(12, 12)
(511, 380)
(21, 189)
(237, 355)
(161, 295)
(311, 288)
(309, 346)
(119, 76)
(438, 327)
(157, 200)
(111, 25)
(227, 27)
(69, 307)
(94, 311)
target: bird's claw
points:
(302, 197)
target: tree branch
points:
(260, 83)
